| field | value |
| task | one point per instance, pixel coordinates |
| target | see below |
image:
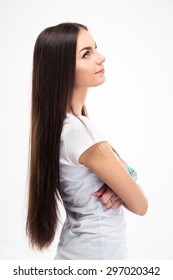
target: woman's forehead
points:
(84, 40)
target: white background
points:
(134, 108)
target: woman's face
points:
(89, 63)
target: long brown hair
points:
(52, 86)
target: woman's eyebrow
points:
(88, 48)
(85, 48)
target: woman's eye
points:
(86, 54)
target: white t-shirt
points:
(91, 231)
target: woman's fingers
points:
(101, 191)
(115, 204)
(108, 197)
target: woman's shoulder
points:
(80, 126)
(72, 122)
(81, 122)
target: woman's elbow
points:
(142, 210)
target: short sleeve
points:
(78, 135)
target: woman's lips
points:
(102, 71)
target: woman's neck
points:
(78, 100)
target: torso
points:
(91, 231)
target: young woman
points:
(70, 159)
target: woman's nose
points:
(100, 58)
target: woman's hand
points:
(108, 197)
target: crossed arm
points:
(119, 185)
